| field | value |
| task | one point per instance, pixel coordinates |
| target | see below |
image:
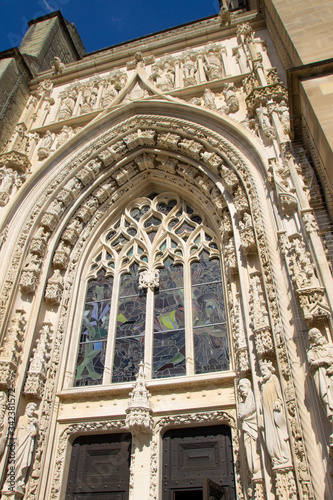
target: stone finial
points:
(139, 410)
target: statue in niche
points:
(283, 112)
(274, 423)
(67, 104)
(45, 147)
(209, 99)
(9, 180)
(189, 68)
(63, 136)
(213, 66)
(109, 95)
(3, 421)
(248, 417)
(25, 435)
(231, 99)
(163, 75)
(89, 99)
(320, 357)
(265, 123)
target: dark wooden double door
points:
(198, 464)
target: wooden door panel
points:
(99, 468)
(191, 455)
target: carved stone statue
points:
(58, 66)
(67, 104)
(7, 181)
(213, 66)
(265, 123)
(209, 99)
(231, 99)
(247, 415)
(45, 147)
(189, 68)
(109, 95)
(25, 434)
(274, 423)
(320, 357)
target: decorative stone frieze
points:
(168, 141)
(35, 381)
(11, 350)
(52, 215)
(89, 172)
(248, 242)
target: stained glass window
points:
(155, 294)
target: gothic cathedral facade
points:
(128, 177)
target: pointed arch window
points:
(154, 292)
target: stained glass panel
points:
(211, 348)
(94, 331)
(129, 283)
(90, 363)
(130, 330)
(206, 270)
(171, 276)
(169, 354)
(169, 323)
(207, 304)
(127, 356)
(209, 318)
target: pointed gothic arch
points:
(116, 165)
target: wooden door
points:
(99, 468)
(191, 456)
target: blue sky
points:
(102, 23)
